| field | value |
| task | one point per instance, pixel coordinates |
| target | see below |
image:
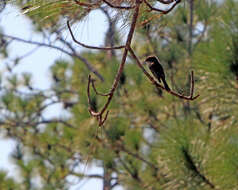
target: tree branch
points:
(192, 166)
(166, 2)
(160, 10)
(99, 115)
(90, 47)
(74, 54)
(81, 175)
(190, 97)
(136, 155)
(127, 47)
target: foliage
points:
(151, 140)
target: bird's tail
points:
(166, 86)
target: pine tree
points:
(151, 139)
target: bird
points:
(157, 70)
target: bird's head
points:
(151, 60)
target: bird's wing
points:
(156, 74)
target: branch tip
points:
(87, 46)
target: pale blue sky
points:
(16, 24)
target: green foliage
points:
(151, 139)
(49, 14)
(7, 183)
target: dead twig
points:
(190, 97)
(72, 53)
(191, 84)
(127, 47)
(99, 115)
(164, 2)
(90, 47)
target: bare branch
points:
(85, 61)
(101, 122)
(166, 2)
(127, 47)
(190, 97)
(191, 85)
(88, 95)
(90, 47)
(73, 54)
(90, 67)
(36, 43)
(99, 115)
(55, 121)
(81, 175)
(160, 10)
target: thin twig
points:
(136, 155)
(88, 94)
(160, 10)
(166, 2)
(105, 118)
(160, 86)
(73, 54)
(36, 43)
(98, 115)
(90, 47)
(127, 47)
(81, 175)
(54, 121)
(191, 84)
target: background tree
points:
(151, 139)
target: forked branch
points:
(126, 48)
(99, 115)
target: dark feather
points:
(157, 70)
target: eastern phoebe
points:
(157, 70)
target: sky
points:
(38, 63)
